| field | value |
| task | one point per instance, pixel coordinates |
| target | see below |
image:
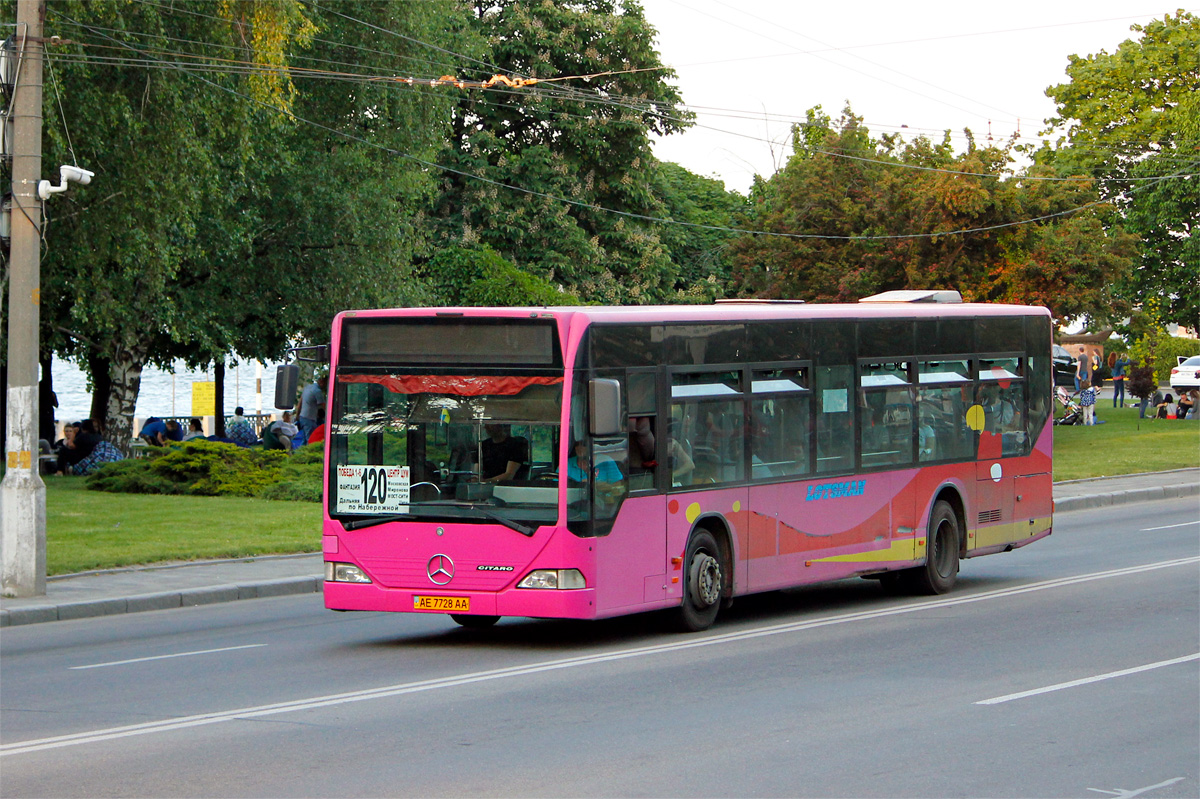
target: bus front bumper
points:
(577, 603)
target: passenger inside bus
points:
(681, 463)
(641, 452)
(580, 469)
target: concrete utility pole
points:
(23, 494)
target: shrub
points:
(301, 478)
(205, 468)
(1141, 382)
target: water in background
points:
(166, 393)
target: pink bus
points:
(589, 462)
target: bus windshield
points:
(462, 447)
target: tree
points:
(263, 225)
(850, 216)
(514, 154)
(698, 250)
(1131, 119)
(480, 276)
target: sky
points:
(751, 68)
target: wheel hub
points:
(705, 579)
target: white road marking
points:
(164, 657)
(1121, 793)
(331, 700)
(1087, 680)
(1168, 527)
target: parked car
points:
(1064, 366)
(1186, 375)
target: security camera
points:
(76, 174)
(66, 174)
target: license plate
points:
(454, 604)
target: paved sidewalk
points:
(160, 587)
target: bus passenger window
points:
(780, 417)
(835, 418)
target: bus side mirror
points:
(287, 377)
(605, 402)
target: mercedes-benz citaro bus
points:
(589, 462)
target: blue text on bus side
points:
(848, 488)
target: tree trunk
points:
(125, 374)
(101, 387)
(219, 395)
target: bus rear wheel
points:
(703, 582)
(940, 571)
(474, 622)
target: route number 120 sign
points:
(372, 489)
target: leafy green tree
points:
(221, 219)
(584, 139)
(1132, 120)
(850, 216)
(480, 276)
(697, 247)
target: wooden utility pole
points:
(23, 494)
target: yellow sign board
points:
(204, 399)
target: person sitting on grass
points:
(79, 439)
(279, 435)
(195, 429)
(1187, 405)
(1165, 408)
(239, 430)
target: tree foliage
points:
(220, 218)
(480, 276)
(512, 156)
(1132, 119)
(850, 216)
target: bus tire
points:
(474, 622)
(940, 571)
(703, 581)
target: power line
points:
(659, 220)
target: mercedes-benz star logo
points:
(440, 569)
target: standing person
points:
(312, 409)
(1087, 398)
(1118, 376)
(1083, 368)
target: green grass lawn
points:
(95, 530)
(1124, 444)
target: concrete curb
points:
(186, 598)
(1067, 504)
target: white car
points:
(1186, 375)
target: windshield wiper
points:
(359, 524)
(371, 521)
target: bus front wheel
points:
(703, 582)
(940, 571)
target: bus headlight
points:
(344, 573)
(553, 578)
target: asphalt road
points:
(1065, 669)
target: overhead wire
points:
(155, 59)
(579, 95)
(648, 218)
